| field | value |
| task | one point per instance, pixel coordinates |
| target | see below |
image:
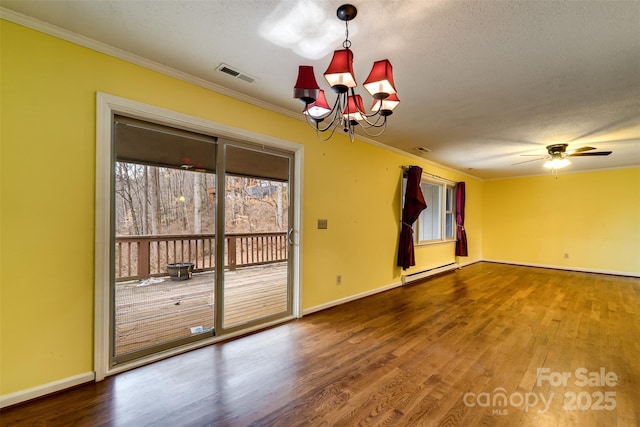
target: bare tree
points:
(125, 190)
(154, 200)
(197, 202)
(279, 219)
(145, 200)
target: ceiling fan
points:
(557, 157)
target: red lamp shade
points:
(386, 105)
(319, 108)
(306, 88)
(339, 75)
(354, 108)
(380, 81)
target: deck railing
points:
(141, 257)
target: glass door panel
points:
(164, 241)
(256, 283)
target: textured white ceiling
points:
(480, 82)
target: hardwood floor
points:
(461, 349)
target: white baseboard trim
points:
(350, 298)
(420, 275)
(566, 268)
(42, 390)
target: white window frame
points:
(442, 212)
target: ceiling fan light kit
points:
(558, 158)
(556, 163)
(557, 155)
(348, 110)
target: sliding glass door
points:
(201, 237)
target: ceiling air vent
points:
(224, 68)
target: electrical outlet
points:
(339, 279)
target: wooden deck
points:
(158, 310)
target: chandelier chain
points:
(347, 43)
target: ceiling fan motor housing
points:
(557, 149)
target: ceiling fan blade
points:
(595, 153)
(527, 161)
(581, 149)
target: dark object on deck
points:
(180, 270)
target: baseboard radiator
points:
(408, 278)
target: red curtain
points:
(413, 204)
(461, 243)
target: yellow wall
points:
(593, 217)
(47, 178)
(356, 187)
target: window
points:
(436, 223)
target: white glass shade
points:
(556, 163)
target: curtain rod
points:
(405, 169)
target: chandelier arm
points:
(336, 112)
(346, 124)
(381, 128)
(377, 116)
(315, 123)
(318, 131)
(365, 117)
(336, 118)
(334, 123)
(341, 104)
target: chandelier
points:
(348, 110)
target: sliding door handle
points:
(290, 236)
